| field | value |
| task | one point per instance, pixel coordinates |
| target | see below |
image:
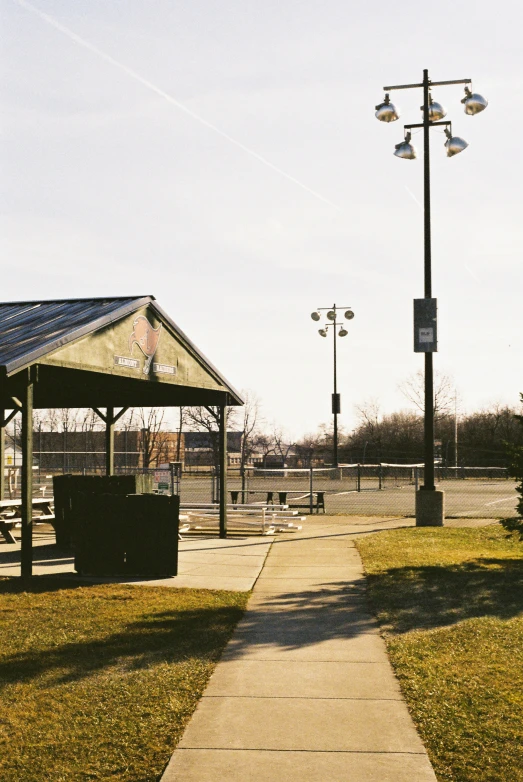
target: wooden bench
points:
(11, 514)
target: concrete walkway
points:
(304, 690)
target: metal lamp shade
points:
(406, 151)
(331, 315)
(322, 332)
(349, 314)
(455, 145)
(436, 111)
(342, 332)
(315, 316)
(474, 103)
(387, 111)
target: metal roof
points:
(31, 330)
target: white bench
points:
(271, 519)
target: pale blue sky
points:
(111, 188)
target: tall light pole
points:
(429, 502)
(332, 313)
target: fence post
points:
(416, 478)
(242, 469)
(358, 478)
(311, 486)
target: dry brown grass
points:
(99, 682)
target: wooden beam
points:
(100, 414)
(2, 453)
(109, 441)
(27, 477)
(4, 421)
(223, 468)
(117, 416)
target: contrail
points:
(414, 197)
(169, 98)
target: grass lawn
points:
(450, 603)
(98, 682)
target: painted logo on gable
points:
(147, 338)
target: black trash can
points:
(99, 533)
(151, 534)
(67, 487)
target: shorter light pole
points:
(332, 313)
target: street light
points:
(429, 502)
(332, 315)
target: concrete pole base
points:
(430, 508)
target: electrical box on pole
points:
(425, 326)
(336, 404)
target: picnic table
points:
(300, 502)
(11, 514)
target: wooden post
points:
(223, 469)
(2, 454)
(109, 441)
(27, 478)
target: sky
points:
(225, 158)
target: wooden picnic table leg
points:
(6, 532)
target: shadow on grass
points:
(154, 637)
(415, 598)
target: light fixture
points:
(387, 111)
(454, 144)
(322, 332)
(473, 102)
(436, 110)
(405, 150)
(342, 332)
(315, 316)
(349, 314)
(331, 315)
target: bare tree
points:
(154, 439)
(413, 388)
(250, 423)
(310, 449)
(283, 445)
(207, 419)
(265, 446)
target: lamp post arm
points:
(432, 84)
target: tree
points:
(413, 388)
(283, 445)
(310, 449)
(484, 435)
(154, 439)
(251, 421)
(516, 470)
(395, 437)
(207, 419)
(265, 446)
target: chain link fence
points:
(382, 489)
